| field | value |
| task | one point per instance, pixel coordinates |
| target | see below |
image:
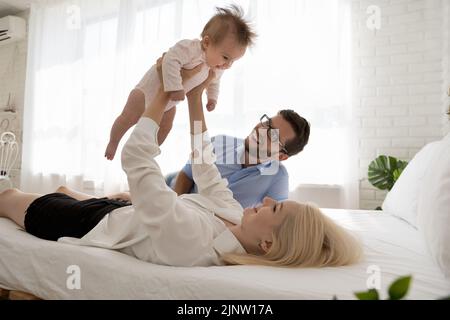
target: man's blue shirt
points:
(249, 185)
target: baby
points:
(224, 40)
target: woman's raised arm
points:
(204, 171)
(194, 98)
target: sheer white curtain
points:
(446, 58)
(85, 57)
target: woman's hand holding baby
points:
(198, 90)
(176, 95)
(155, 110)
(186, 74)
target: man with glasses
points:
(252, 165)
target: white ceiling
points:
(11, 7)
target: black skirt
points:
(57, 215)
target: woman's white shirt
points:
(160, 227)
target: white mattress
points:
(39, 267)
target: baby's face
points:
(223, 54)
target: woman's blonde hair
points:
(306, 238)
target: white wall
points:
(398, 82)
(12, 80)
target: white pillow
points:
(434, 207)
(402, 200)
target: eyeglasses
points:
(272, 133)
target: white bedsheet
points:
(40, 267)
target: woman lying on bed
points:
(208, 228)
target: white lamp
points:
(8, 155)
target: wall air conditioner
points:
(12, 29)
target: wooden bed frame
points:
(16, 295)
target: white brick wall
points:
(399, 77)
(12, 81)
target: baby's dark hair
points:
(226, 20)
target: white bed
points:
(395, 247)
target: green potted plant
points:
(384, 171)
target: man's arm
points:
(183, 184)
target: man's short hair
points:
(301, 128)
(229, 20)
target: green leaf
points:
(396, 175)
(399, 288)
(371, 294)
(384, 171)
(397, 172)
